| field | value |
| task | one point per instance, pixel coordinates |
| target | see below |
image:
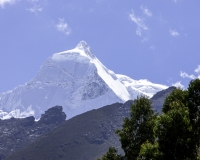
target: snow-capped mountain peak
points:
(86, 48)
(76, 80)
(83, 45)
(79, 52)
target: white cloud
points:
(146, 11)
(140, 24)
(17, 113)
(62, 26)
(138, 21)
(152, 47)
(176, 1)
(178, 85)
(174, 33)
(138, 31)
(3, 2)
(185, 75)
(189, 76)
(144, 39)
(35, 9)
(197, 70)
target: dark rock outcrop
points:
(16, 133)
(84, 137)
(53, 115)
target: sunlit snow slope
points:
(76, 80)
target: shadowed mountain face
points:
(84, 137)
(19, 133)
(159, 98)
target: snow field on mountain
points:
(76, 80)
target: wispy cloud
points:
(138, 31)
(185, 75)
(152, 47)
(144, 39)
(62, 26)
(3, 2)
(178, 85)
(146, 11)
(176, 1)
(35, 9)
(139, 22)
(173, 33)
(197, 70)
(37, 6)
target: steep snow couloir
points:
(76, 80)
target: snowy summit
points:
(76, 80)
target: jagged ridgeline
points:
(16, 133)
(84, 137)
(77, 81)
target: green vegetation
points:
(138, 128)
(174, 134)
(111, 155)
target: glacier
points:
(76, 80)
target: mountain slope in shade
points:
(17, 133)
(84, 137)
(159, 98)
(76, 80)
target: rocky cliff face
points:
(77, 81)
(84, 137)
(18, 133)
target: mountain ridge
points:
(76, 80)
(17, 133)
(86, 136)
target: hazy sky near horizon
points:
(154, 40)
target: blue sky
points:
(154, 40)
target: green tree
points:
(194, 108)
(138, 128)
(194, 99)
(190, 99)
(174, 135)
(178, 95)
(149, 151)
(111, 155)
(173, 131)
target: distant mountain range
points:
(76, 80)
(84, 137)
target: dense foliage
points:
(174, 134)
(138, 128)
(111, 155)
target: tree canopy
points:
(138, 128)
(174, 134)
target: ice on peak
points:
(82, 45)
(86, 48)
(80, 51)
(76, 80)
